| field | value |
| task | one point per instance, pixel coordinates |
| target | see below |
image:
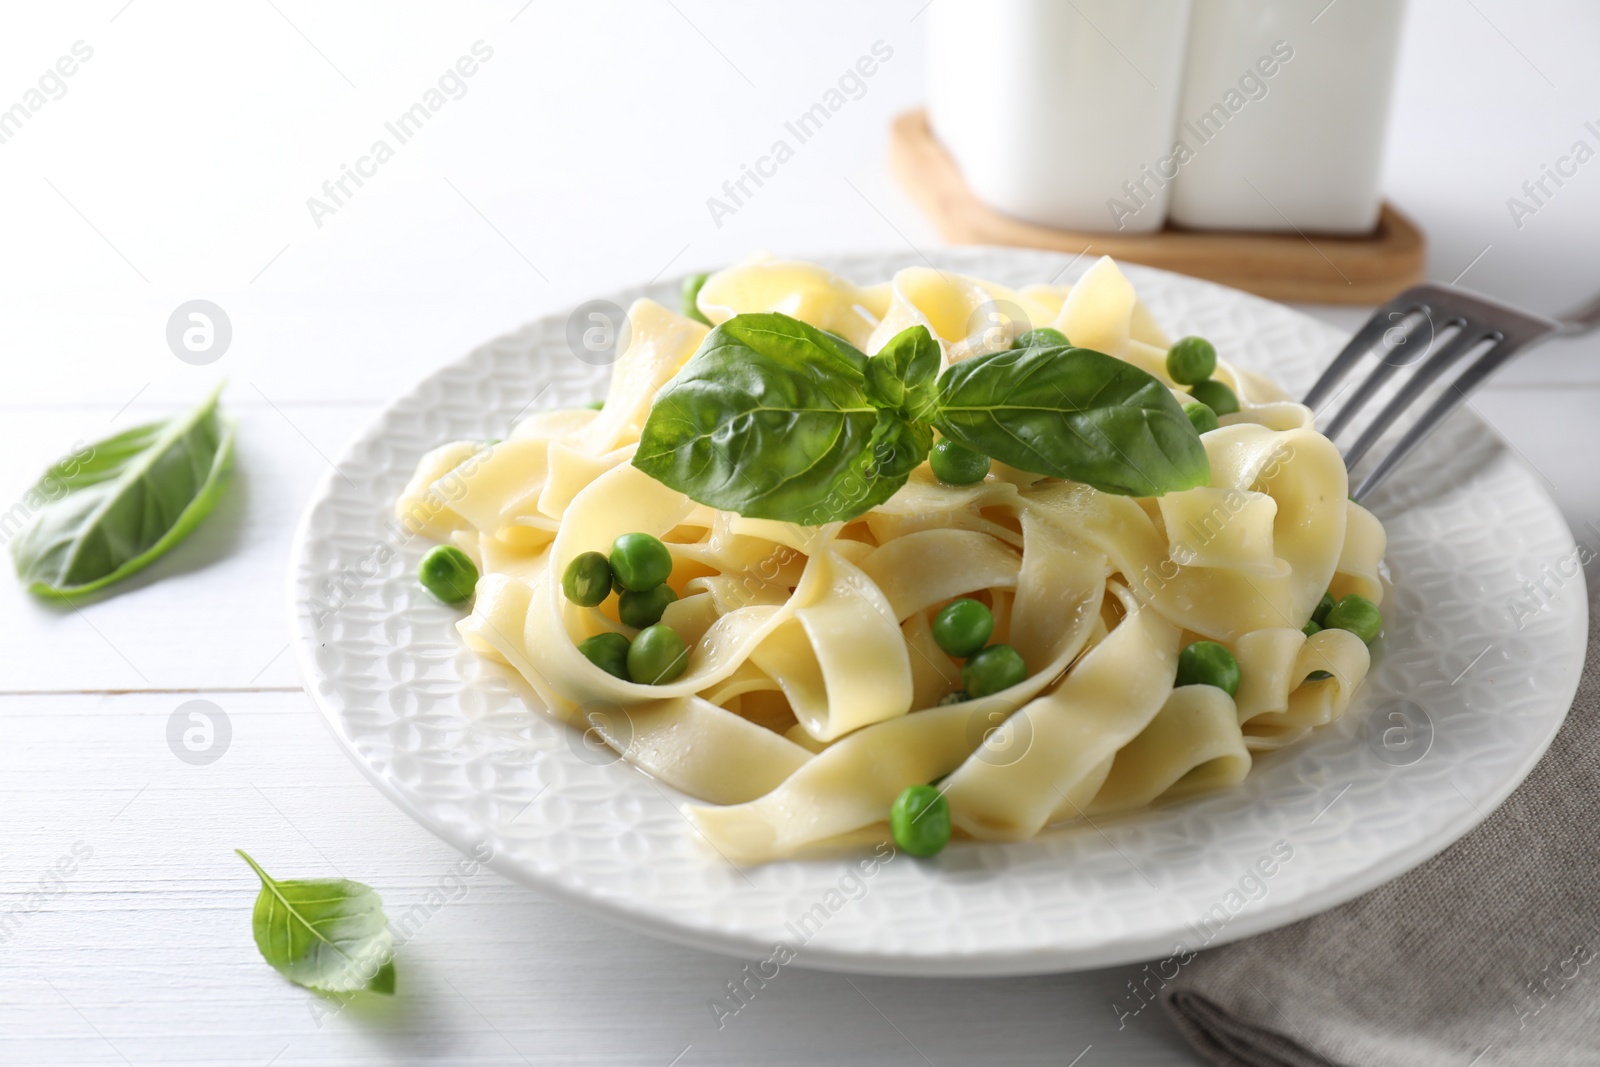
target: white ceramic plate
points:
(457, 743)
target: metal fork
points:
(1467, 323)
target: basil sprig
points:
(775, 419)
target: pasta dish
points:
(934, 553)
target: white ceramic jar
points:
(1284, 110)
(1056, 110)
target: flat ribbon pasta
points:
(1193, 745)
(841, 660)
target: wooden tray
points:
(1315, 269)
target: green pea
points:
(958, 697)
(448, 574)
(587, 580)
(1208, 663)
(1311, 627)
(956, 464)
(1358, 615)
(609, 652)
(657, 655)
(962, 627)
(1319, 676)
(691, 296)
(640, 561)
(993, 669)
(919, 819)
(1216, 396)
(1202, 418)
(1191, 361)
(1043, 337)
(640, 610)
(595, 405)
(1320, 614)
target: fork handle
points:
(1581, 319)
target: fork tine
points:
(1363, 342)
(1369, 387)
(1469, 380)
(1469, 336)
(1477, 319)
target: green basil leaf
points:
(1076, 414)
(797, 343)
(900, 375)
(691, 297)
(898, 447)
(771, 419)
(383, 981)
(328, 934)
(112, 508)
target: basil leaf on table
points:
(122, 502)
(327, 934)
(771, 419)
(1076, 414)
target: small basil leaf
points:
(1076, 414)
(770, 419)
(898, 447)
(327, 934)
(900, 375)
(113, 507)
(691, 297)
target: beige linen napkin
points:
(1488, 954)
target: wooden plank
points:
(1293, 267)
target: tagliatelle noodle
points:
(1193, 745)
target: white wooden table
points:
(177, 164)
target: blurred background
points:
(581, 156)
(588, 149)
